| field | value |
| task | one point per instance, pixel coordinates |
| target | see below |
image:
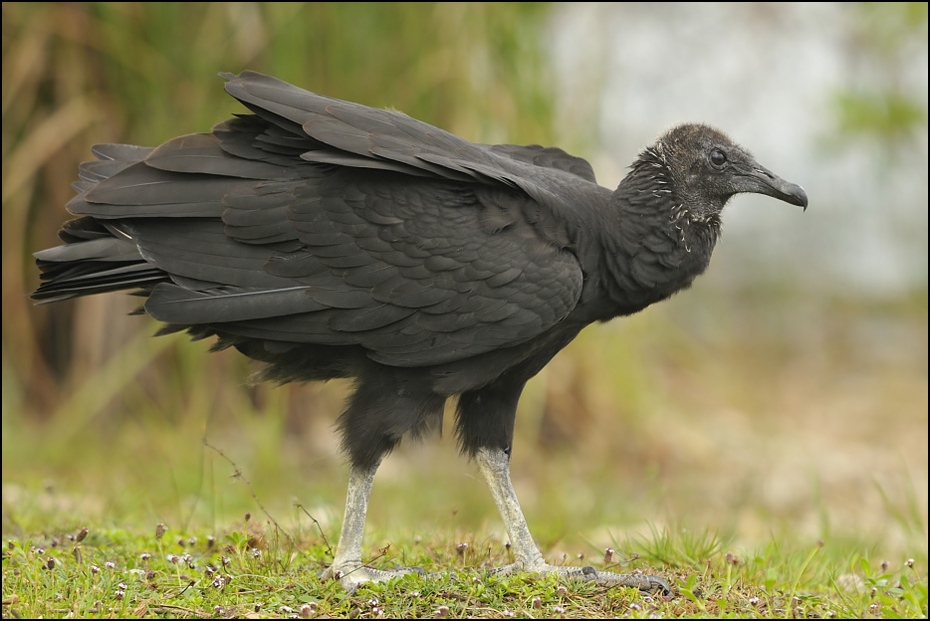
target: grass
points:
(257, 570)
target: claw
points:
(644, 582)
(351, 575)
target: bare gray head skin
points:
(707, 169)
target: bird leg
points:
(495, 466)
(348, 567)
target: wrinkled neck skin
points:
(655, 243)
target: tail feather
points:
(89, 266)
(95, 258)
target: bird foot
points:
(643, 582)
(351, 574)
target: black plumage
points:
(329, 239)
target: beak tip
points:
(796, 195)
(802, 198)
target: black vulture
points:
(333, 240)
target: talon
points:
(656, 583)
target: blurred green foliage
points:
(876, 107)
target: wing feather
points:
(322, 222)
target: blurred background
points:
(784, 395)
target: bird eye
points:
(718, 157)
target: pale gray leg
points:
(347, 566)
(495, 466)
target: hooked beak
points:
(760, 180)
